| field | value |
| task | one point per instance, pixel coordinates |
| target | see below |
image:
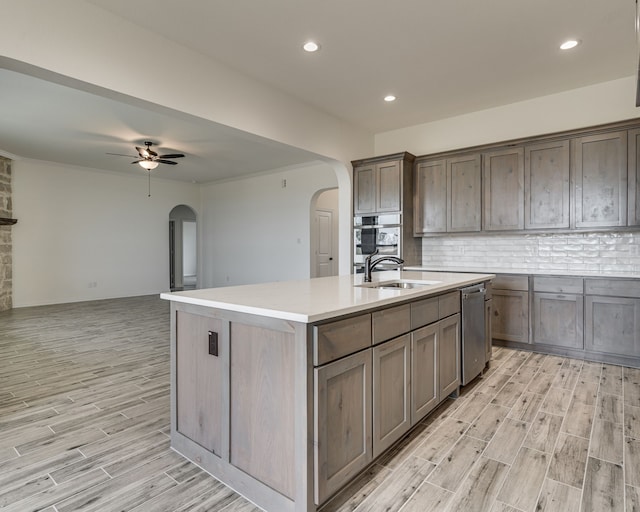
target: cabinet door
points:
(424, 375)
(391, 392)
(558, 319)
(448, 356)
(633, 142)
(488, 306)
(546, 185)
(430, 197)
(510, 320)
(503, 190)
(599, 170)
(612, 325)
(388, 195)
(342, 428)
(364, 189)
(201, 380)
(463, 185)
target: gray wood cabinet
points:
(510, 318)
(378, 188)
(424, 371)
(613, 325)
(546, 185)
(503, 190)
(391, 392)
(558, 319)
(448, 195)
(612, 316)
(633, 177)
(558, 311)
(364, 189)
(599, 174)
(201, 381)
(430, 202)
(449, 356)
(343, 422)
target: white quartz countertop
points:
(313, 300)
(572, 273)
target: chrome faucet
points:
(370, 265)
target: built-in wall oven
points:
(381, 232)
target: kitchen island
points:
(286, 391)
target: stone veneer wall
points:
(6, 210)
(616, 252)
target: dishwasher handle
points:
(474, 293)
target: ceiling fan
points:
(149, 159)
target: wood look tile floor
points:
(84, 423)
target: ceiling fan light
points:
(148, 164)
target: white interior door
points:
(324, 243)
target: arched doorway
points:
(183, 249)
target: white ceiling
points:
(441, 58)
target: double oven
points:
(381, 232)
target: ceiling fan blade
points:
(120, 154)
(170, 162)
(137, 161)
(146, 152)
(172, 155)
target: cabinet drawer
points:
(558, 284)
(613, 287)
(424, 312)
(391, 322)
(508, 282)
(448, 304)
(338, 339)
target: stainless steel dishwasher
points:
(473, 332)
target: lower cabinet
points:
(424, 371)
(558, 319)
(342, 427)
(448, 356)
(391, 392)
(613, 325)
(510, 315)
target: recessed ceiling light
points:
(389, 98)
(571, 43)
(311, 46)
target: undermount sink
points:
(399, 284)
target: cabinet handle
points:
(213, 343)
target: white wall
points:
(80, 226)
(255, 230)
(597, 104)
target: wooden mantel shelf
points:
(4, 221)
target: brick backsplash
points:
(617, 252)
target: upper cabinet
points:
(379, 184)
(503, 190)
(546, 185)
(579, 180)
(599, 170)
(448, 195)
(633, 202)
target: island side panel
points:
(262, 404)
(273, 369)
